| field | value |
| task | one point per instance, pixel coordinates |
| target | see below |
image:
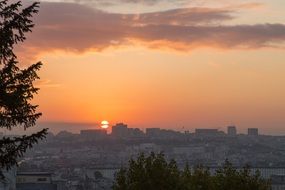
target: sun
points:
(104, 124)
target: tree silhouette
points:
(151, 172)
(154, 172)
(16, 85)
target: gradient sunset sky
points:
(161, 63)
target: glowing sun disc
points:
(104, 124)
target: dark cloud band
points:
(74, 27)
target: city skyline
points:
(76, 128)
(161, 63)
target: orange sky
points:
(195, 65)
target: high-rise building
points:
(252, 131)
(120, 130)
(232, 131)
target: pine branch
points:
(11, 149)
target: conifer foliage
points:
(16, 84)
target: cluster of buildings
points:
(232, 131)
(90, 159)
(121, 131)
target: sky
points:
(180, 64)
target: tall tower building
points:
(232, 130)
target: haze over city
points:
(168, 64)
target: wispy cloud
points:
(165, 3)
(45, 83)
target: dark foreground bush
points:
(153, 172)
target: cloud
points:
(45, 83)
(240, 36)
(183, 16)
(165, 3)
(78, 28)
(116, 2)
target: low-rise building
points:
(35, 181)
(252, 131)
(9, 180)
(93, 134)
(278, 182)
